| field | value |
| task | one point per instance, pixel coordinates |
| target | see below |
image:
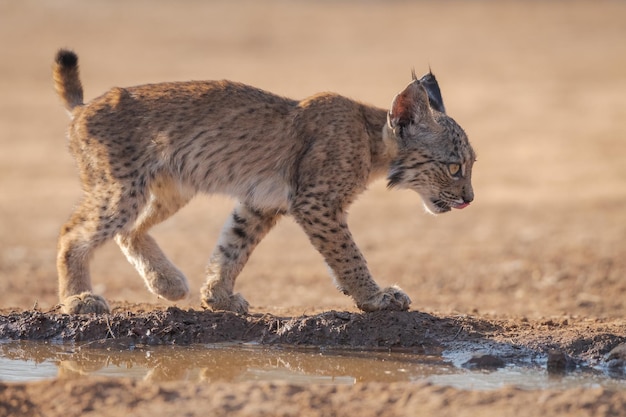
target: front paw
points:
(171, 285)
(391, 299)
(234, 302)
(85, 303)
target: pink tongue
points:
(461, 206)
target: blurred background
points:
(540, 88)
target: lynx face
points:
(435, 158)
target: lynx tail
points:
(66, 79)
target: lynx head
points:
(434, 156)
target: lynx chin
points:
(143, 152)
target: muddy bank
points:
(183, 327)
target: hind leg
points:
(82, 234)
(161, 276)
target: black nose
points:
(468, 194)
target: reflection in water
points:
(223, 362)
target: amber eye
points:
(454, 169)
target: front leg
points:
(328, 231)
(241, 234)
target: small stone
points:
(559, 362)
(618, 352)
(616, 359)
(484, 361)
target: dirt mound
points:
(182, 327)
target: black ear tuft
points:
(434, 93)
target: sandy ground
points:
(538, 86)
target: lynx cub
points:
(143, 152)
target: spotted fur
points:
(143, 152)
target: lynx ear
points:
(410, 110)
(434, 93)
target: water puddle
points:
(31, 361)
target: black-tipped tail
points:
(66, 79)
